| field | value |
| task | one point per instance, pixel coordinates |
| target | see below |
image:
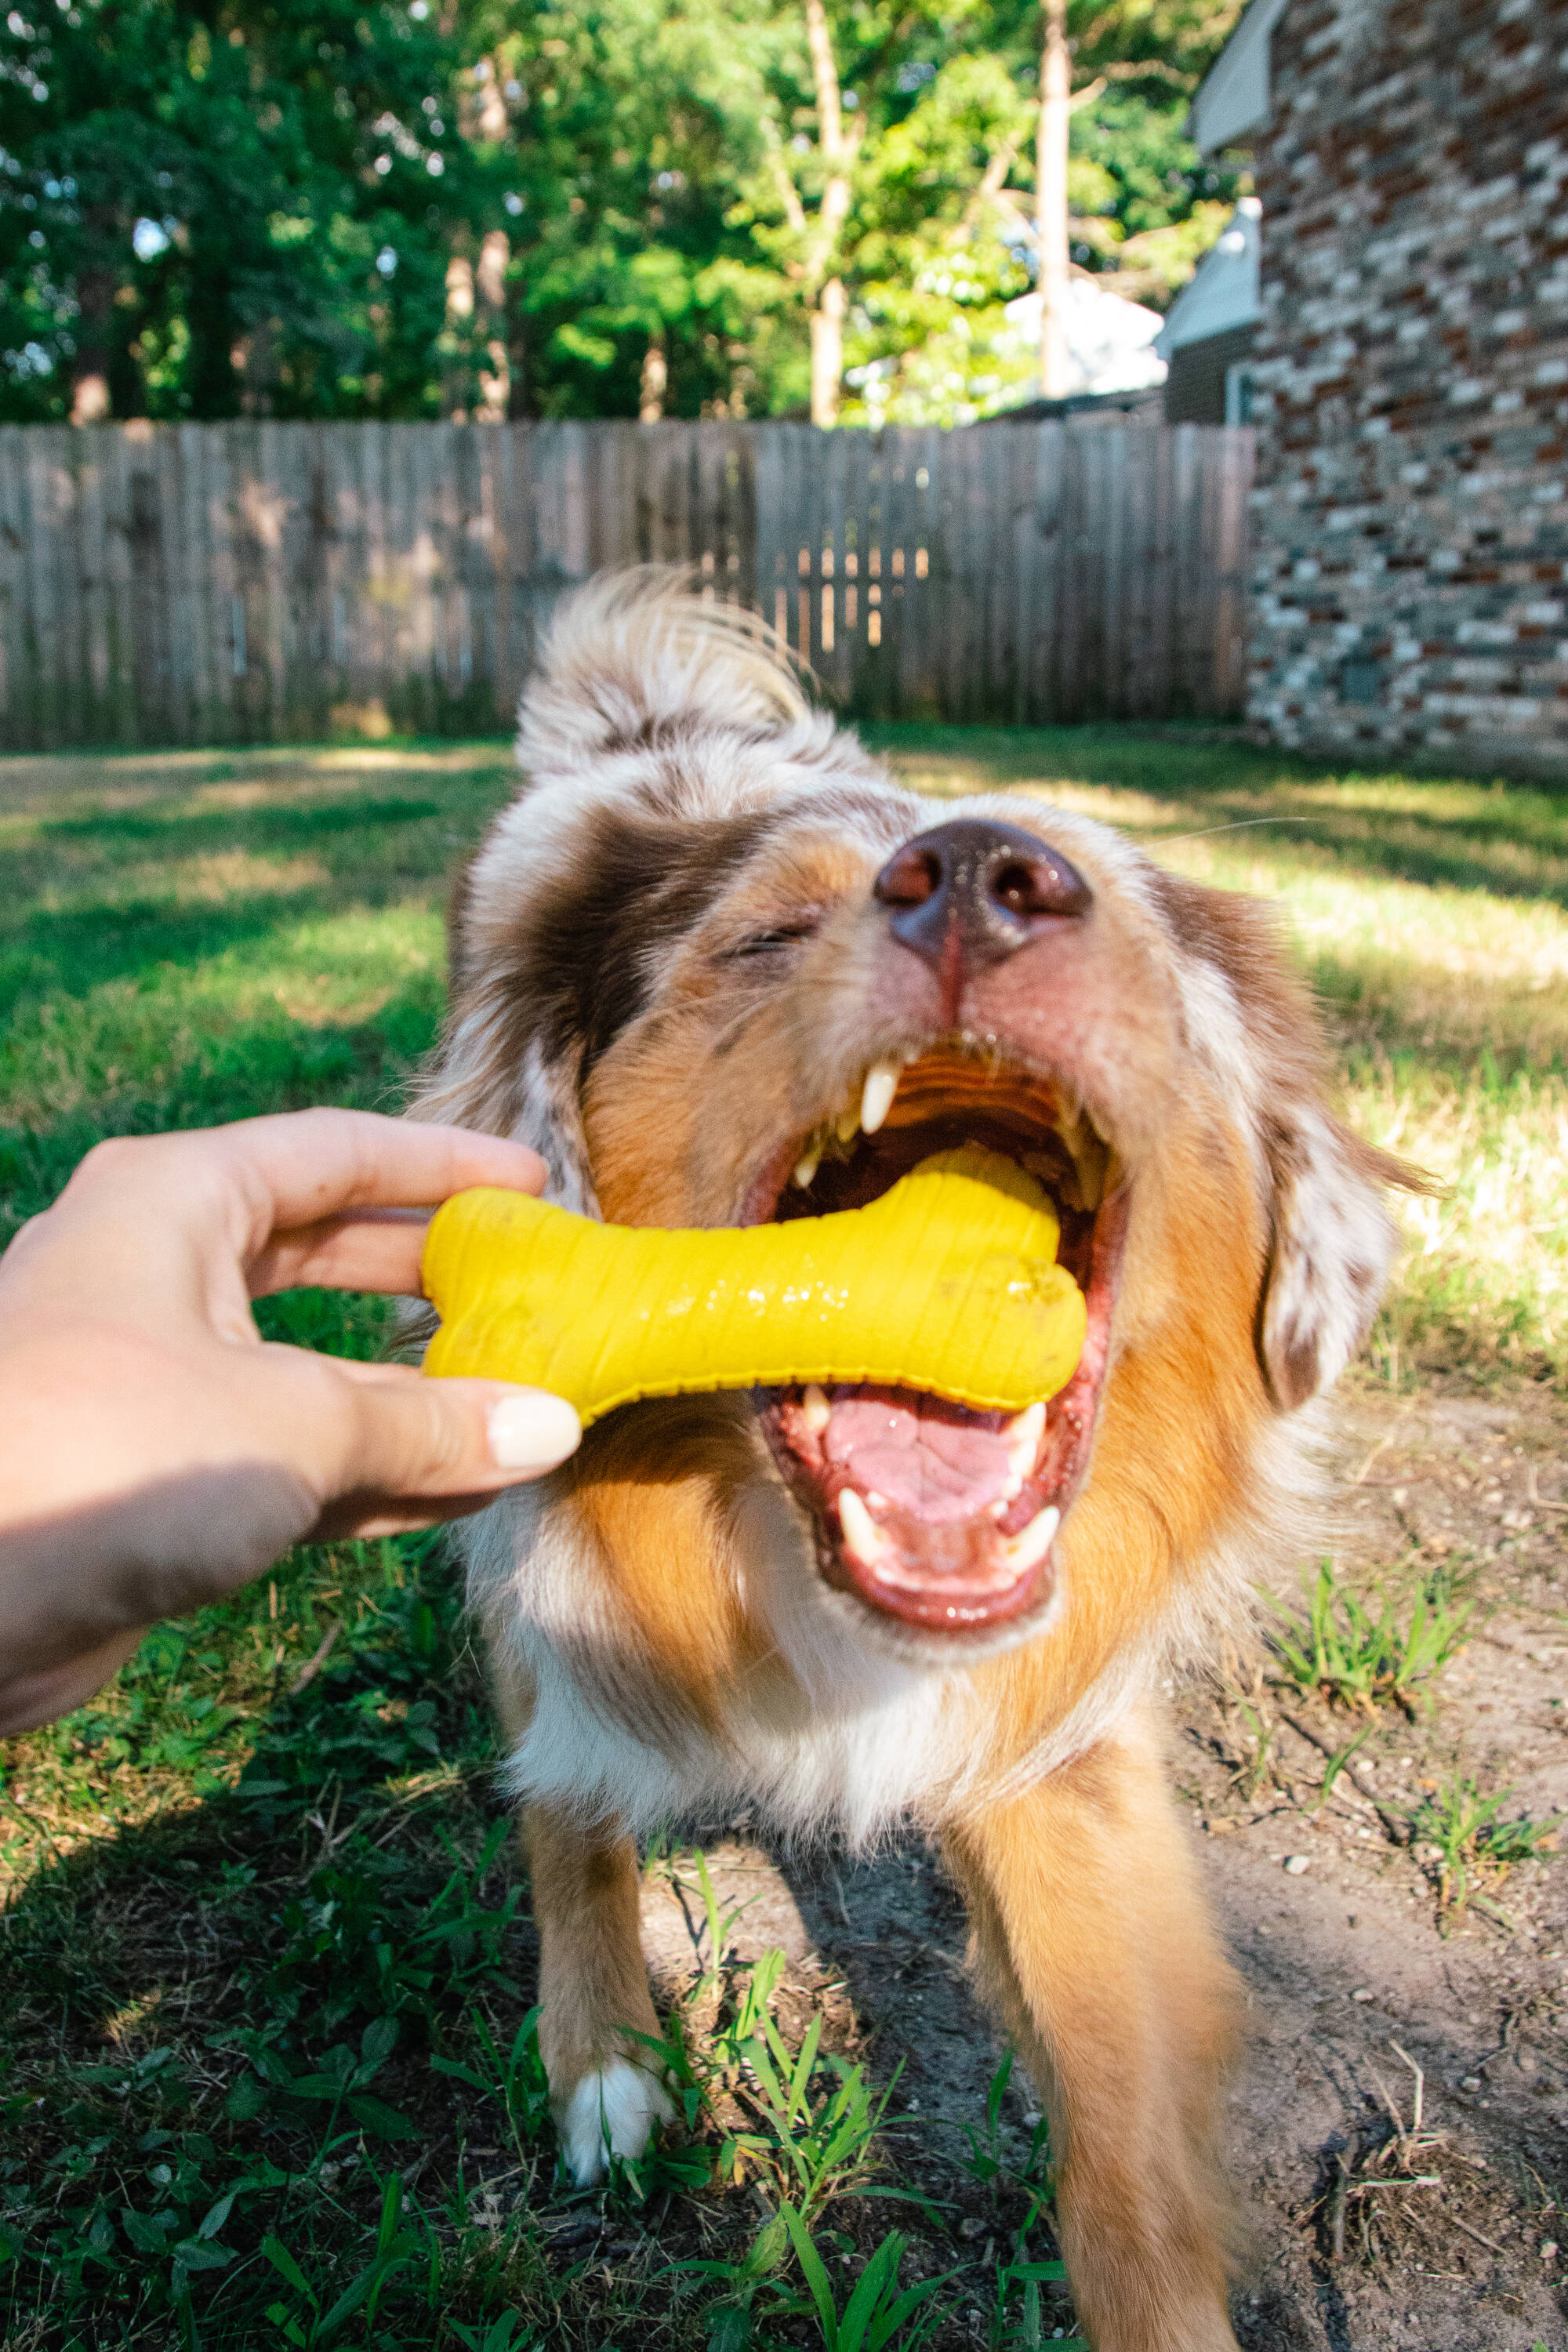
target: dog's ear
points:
(497, 1069)
(1332, 1245)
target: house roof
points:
(1233, 97)
(1224, 291)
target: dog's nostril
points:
(909, 879)
(1043, 885)
(1014, 888)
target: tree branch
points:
(789, 194)
(1140, 69)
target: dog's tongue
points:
(938, 1461)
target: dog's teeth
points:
(1023, 1433)
(1035, 1542)
(815, 1411)
(863, 1537)
(877, 1095)
(846, 1126)
(806, 1166)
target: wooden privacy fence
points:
(207, 584)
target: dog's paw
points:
(615, 2108)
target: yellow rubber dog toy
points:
(948, 1283)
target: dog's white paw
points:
(615, 2109)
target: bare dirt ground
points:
(1359, 2237)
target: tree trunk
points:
(837, 152)
(655, 383)
(210, 313)
(827, 351)
(458, 374)
(495, 368)
(96, 288)
(1051, 199)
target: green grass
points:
(267, 2052)
(1470, 1846)
(1347, 1656)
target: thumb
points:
(416, 1449)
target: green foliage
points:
(257, 206)
(1018, 2322)
(347, 1973)
(818, 2114)
(1468, 1840)
(877, 2316)
(1344, 1655)
(988, 2162)
(183, 184)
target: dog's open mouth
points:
(939, 1517)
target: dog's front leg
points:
(605, 2086)
(1090, 1936)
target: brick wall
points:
(1411, 382)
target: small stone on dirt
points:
(1297, 1863)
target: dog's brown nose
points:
(971, 892)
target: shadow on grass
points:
(71, 953)
(182, 830)
(244, 1071)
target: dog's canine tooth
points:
(1023, 1433)
(806, 1166)
(815, 1411)
(877, 1095)
(846, 1126)
(862, 1536)
(1035, 1541)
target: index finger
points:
(302, 1167)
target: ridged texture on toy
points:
(948, 1283)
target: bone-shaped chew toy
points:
(948, 1283)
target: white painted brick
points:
(1484, 633)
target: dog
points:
(718, 969)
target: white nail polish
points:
(532, 1431)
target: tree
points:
(569, 208)
(212, 206)
(895, 153)
(634, 128)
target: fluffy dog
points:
(719, 969)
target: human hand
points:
(156, 1452)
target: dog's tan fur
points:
(660, 1634)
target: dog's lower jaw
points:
(611, 2112)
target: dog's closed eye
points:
(776, 939)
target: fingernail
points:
(532, 1431)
